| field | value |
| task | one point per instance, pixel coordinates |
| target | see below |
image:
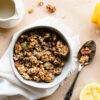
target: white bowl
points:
(58, 78)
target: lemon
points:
(96, 16)
(90, 91)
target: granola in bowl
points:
(87, 52)
(40, 55)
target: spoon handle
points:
(69, 93)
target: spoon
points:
(88, 51)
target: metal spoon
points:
(92, 45)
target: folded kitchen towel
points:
(11, 86)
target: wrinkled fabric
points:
(11, 88)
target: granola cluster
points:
(51, 8)
(85, 54)
(40, 55)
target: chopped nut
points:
(57, 70)
(40, 3)
(18, 47)
(51, 8)
(57, 61)
(42, 74)
(36, 78)
(22, 69)
(49, 77)
(34, 70)
(26, 76)
(30, 11)
(54, 37)
(17, 64)
(47, 35)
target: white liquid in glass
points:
(7, 9)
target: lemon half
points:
(90, 91)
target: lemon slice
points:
(90, 91)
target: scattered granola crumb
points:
(97, 31)
(30, 11)
(51, 8)
(40, 3)
(63, 17)
(98, 39)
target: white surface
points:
(16, 18)
(10, 85)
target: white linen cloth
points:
(11, 86)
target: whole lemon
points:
(96, 16)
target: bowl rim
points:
(33, 83)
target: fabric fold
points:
(9, 83)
